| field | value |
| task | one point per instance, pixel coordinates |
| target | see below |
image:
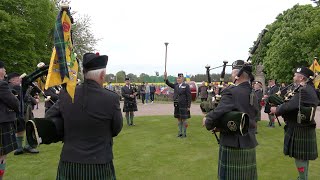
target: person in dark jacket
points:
(129, 94)
(90, 123)
(259, 93)
(152, 91)
(181, 102)
(237, 153)
(9, 107)
(272, 89)
(300, 140)
(15, 86)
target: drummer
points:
(240, 149)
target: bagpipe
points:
(39, 130)
(231, 122)
(305, 114)
(235, 122)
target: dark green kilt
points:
(301, 143)
(237, 164)
(181, 113)
(129, 106)
(8, 138)
(77, 171)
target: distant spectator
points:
(152, 91)
(202, 92)
(147, 92)
(142, 92)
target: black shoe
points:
(31, 150)
(179, 135)
(184, 136)
(18, 152)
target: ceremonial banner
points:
(63, 64)
(315, 67)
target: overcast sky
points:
(199, 32)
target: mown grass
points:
(151, 150)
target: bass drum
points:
(193, 89)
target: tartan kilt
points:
(301, 143)
(129, 106)
(77, 171)
(235, 163)
(181, 113)
(8, 140)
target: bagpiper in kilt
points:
(259, 93)
(129, 94)
(237, 153)
(90, 122)
(9, 107)
(272, 89)
(181, 102)
(300, 134)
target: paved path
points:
(167, 109)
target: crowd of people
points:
(89, 124)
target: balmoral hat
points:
(305, 72)
(93, 61)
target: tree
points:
(132, 77)
(120, 76)
(25, 29)
(317, 2)
(293, 40)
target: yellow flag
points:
(315, 67)
(54, 77)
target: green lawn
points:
(151, 150)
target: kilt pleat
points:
(8, 138)
(77, 171)
(237, 164)
(301, 143)
(129, 106)
(181, 113)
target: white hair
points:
(94, 74)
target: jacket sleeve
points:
(189, 98)
(292, 104)
(117, 118)
(225, 105)
(123, 93)
(169, 84)
(7, 97)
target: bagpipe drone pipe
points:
(39, 130)
(234, 121)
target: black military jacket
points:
(126, 92)
(53, 96)
(259, 94)
(270, 91)
(89, 123)
(236, 98)
(289, 109)
(9, 103)
(182, 94)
